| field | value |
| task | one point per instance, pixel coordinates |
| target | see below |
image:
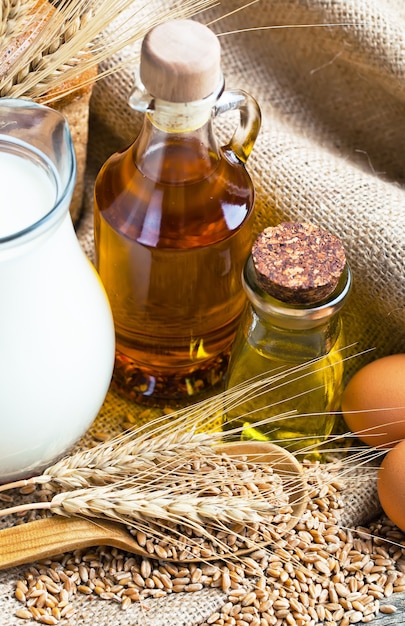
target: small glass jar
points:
(296, 340)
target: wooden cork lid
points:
(180, 61)
(298, 263)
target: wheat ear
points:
(66, 42)
(157, 442)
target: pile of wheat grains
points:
(320, 573)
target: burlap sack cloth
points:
(331, 151)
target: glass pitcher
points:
(56, 328)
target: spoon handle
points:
(48, 537)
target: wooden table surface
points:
(395, 618)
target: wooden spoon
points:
(49, 537)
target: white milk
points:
(27, 193)
(56, 329)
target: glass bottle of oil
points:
(173, 221)
(291, 339)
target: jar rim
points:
(13, 106)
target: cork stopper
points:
(180, 61)
(298, 263)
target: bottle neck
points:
(176, 146)
(293, 317)
(179, 117)
(291, 344)
(174, 117)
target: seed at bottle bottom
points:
(157, 389)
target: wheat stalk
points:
(129, 504)
(183, 503)
(241, 500)
(10, 11)
(176, 436)
(65, 42)
(167, 481)
(168, 443)
(171, 474)
(150, 445)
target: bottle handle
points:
(244, 137)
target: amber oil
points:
(173, 223)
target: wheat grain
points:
(287, 590)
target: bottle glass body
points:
(300, 351)
(173, 228)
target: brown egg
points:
(373, 403)
(391, 485)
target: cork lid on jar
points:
(298, 263)
(180, 61)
